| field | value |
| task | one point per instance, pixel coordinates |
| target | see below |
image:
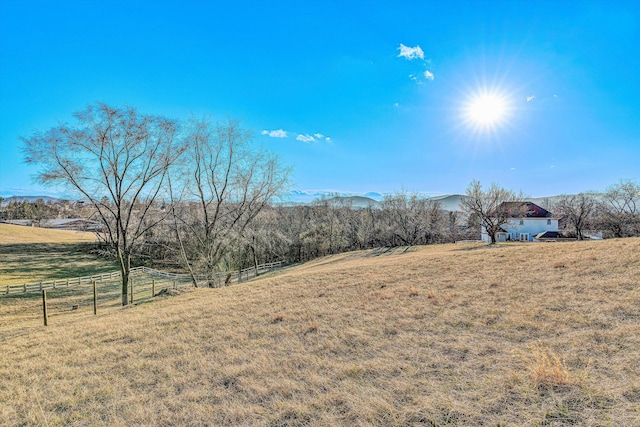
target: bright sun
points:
(486, 111)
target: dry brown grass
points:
(440, 335)
(12, 234)
(549, 370)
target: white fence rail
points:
(230, 276)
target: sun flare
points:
(486, 110)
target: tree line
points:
(198, 195)
(298, 233)
(39, 209)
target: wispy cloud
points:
(279, 133)
(531, 98)
(305, 138)
(416, 52)
(410, 53)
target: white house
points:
(525, 222)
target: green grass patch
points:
(32, 262)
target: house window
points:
(521, 221)
(548, 222)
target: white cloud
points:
(531, 98)
(279, 133)
(327, 139)
(305, 138)
(318, 135)
(410, 52)
(396, 105)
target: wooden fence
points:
(78, 295)
(231, 277)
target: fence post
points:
(174, 285)
(95, 299)
(44, 305)
(153, 288)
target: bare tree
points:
(118, 160)
(491, 207)
(265, 237)
(578, 210)
(367, 231)
(413, 220)
(228, 183)
(619, 211)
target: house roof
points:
(523, 210)
(549, 235)
(553, 235)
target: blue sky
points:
(372, 96)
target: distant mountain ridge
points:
(359, 202)
(448, 202)
(31, 199)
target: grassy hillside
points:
(516, 334)
(29, 254)
(17, 234)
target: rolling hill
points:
(18, 234)
(513, 334)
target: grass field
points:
(29, 254)
(17, 234)
(515, 334)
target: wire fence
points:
(31, 303)
(225, 277)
